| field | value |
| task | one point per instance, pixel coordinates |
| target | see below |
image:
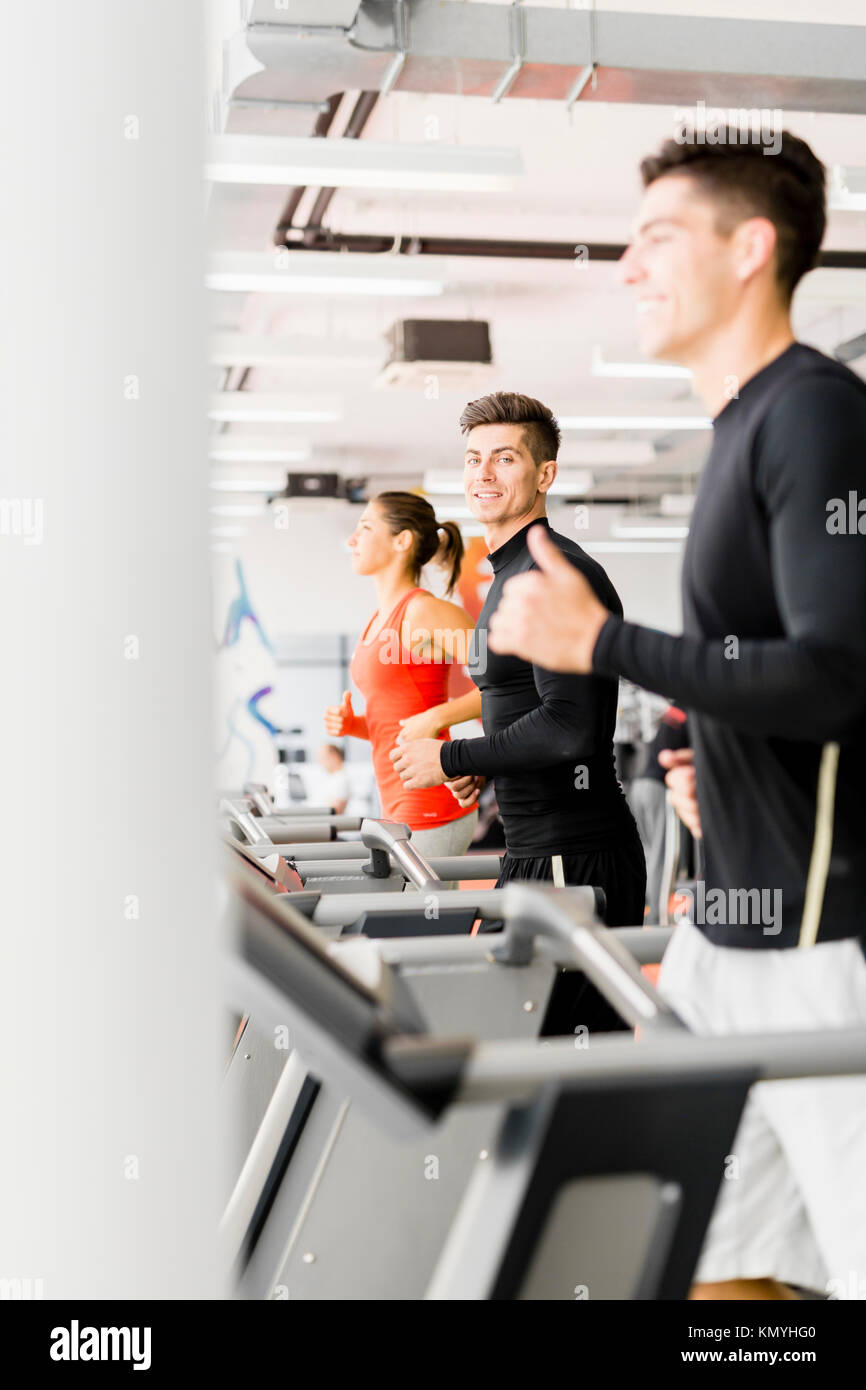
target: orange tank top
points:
(394, 687)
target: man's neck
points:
(497, 535)
(736, 353)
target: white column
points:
(110, 1036)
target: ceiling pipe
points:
(361, 114)
(323, 240)
(324, 121)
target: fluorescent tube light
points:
(310, 272)
(635, 422)
(632, 547)
(246, 485)
(648, 533)
(635, 370)
(238, 509)
(571, 482)
(251, 406)
(449, 513)
(443, 484)
(239, 449)
(344, 163)
(321, 284)
(296, 351)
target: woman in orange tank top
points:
(403, 658)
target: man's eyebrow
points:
(655, 222)
(501, 449)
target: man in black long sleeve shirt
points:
(548, 737)
(771, 668)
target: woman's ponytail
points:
(443, 545)
(450, 552)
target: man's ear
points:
(755, 243)
(547, 475)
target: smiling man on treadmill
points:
(771, 668)
(548, 738)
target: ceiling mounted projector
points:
(432, 355)
(322, 485)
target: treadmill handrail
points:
(562, 913)
(646, 944)
(282, 828)
(514, 1071)
(341, 909)
(260, 797)
(395, 840)
(239, 812)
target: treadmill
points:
(409, 1164)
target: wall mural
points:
(246, 674)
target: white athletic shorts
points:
(792, 1203)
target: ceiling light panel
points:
(269, 277)
(257, 407)
(431, 166)
(636, 370)
(302, 350)
(662, 423)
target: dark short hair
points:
(788, 188)
(540, 427)
(335, 748)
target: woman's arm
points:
(436, 630)
(341, 721)
(438, 717)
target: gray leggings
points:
(454, 837)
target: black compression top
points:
(548, 738)
(772, 662)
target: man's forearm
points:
(540, 739)
(775, 687)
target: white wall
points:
(299, 575)
(649, 586)
(301, 581)
(109, 993)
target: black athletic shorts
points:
(621, 874)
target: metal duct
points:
(468, 49)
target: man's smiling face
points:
(500, 477)
(682, 268)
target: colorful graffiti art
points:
(246, 671)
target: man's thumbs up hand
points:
(550, 615)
